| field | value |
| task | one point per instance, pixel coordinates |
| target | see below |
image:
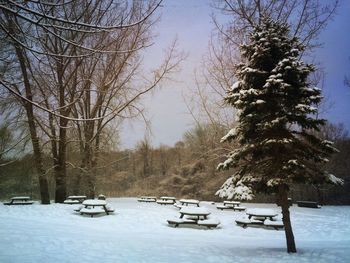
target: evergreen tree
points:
(276, 114)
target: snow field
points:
(138, 232)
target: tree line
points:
(186, 169)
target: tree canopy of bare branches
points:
(74, 67)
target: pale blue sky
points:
(190, 22)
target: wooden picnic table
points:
(261, 213)
(166, 200)
(147, 199)
(20, 200)
(308, 204)
(92, 203)
(233, 203)
(101, 197)
(75, 199)
(196, 212)
(189, 202)
(194, 216)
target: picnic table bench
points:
(20, 200)
(189, 202)
(244, 222)
(147, 199)
(166, 200)
(94, 207)
(308, 204)
(278, 224)
(75, 199)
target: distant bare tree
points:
(144, 153)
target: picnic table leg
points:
(181, 215)
(106, 210)
(197, 205)
(250, 216)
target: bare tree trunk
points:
(319, 195)
(76, 188)
(283, 201)
(61, 170)
(88, 156)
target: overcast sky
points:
(190, 22)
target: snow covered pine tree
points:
(274, 103)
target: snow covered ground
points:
(138, 232)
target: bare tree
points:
(111, 92)
(59, 36)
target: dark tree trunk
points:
(88, 157)
(283, 201)
(91, 184)
(61, 185)
(76, 188)
(319, 195)
(61, 171)
(43, 183)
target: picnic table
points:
(261, 213)
(235, 205)
(194, 216)
(101, 197)
(94, 207)
(166, 200)
(261, 217)
(75, 199)
(147, 199)
(20, 200)
(308, 204)
(189, 202)
(194, 213)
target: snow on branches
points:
(238, 190)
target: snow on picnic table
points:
(138, 232)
